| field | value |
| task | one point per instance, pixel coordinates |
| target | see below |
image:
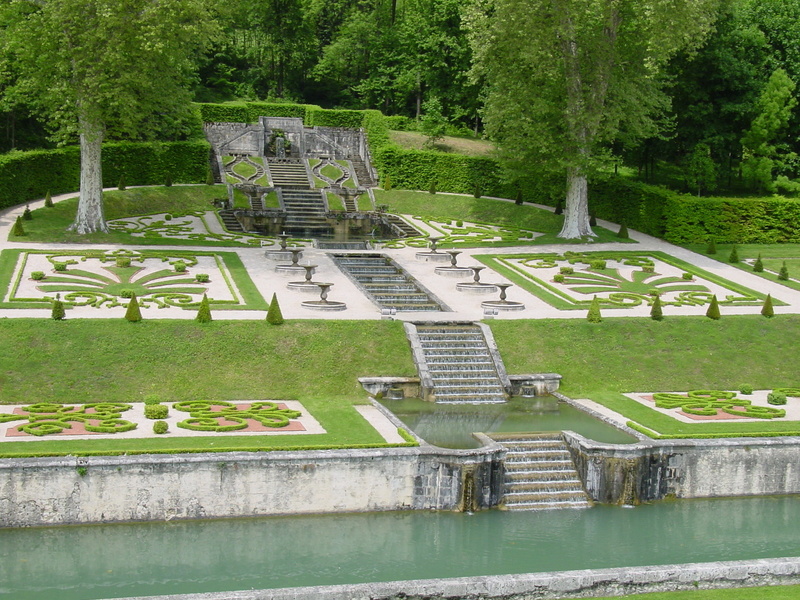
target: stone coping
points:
(587, 583)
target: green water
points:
(452, 425)
(108, 561)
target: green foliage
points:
(201, 278)
(26, 176)
(121, 183)
(746, 389)
(686, 276)
(783, 275)
(734, 255)
(123, 261)
(152, 399)
(168, 181)
(26, 214)
(179, 266)
(37, 275)
(57, 312)
(767, 310)
(623, 232)
(155, 411)
(712, 247)
(18, 230)
(594, 315)
(434, 124)
(656, 312)
(204, 311)
(133, 314)
(598, 265)
(160, 427)
(713, 310)
(48, 200)
(776, 398)
(559, 210)
(700, 169)
(758, 266)
(274, 315)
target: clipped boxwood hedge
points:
(26, 176)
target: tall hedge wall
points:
(248, 112)
(26, 176)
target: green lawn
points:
(772, 255)
(774, 592)
(50, 224)
(86, 360)
(599, 361)
(451, 207)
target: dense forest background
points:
(731, 125)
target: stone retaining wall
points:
(545, 586)
(59, 491)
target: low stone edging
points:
(589, 583)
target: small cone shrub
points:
(712, 247)
(168, 181)
(734, 256)
(133, 314)
(592, 221)
(121, 184)
(58, 313)
(204, 311)
(210, 178)
(784, 273)
(27, 214)
(559, 208)
(713, 309)
(477, 192)
(656, 312)
(767, 309)
(387, 182)
(758, 266)
(274, 315)
(48, 200)
(518, 200)
(623, 232)
(18, 230)
(594, 315)
(432, 189)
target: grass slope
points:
(88, 360)
(775, 592)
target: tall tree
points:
(104, 67)
(567, 77)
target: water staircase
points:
(287, 172)
(305, 213)
(363, 176)
(540, 473)
(458, 363)
(230, 222)
(386, 283)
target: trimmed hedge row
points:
(312, 115)
(26, 176)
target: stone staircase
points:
(286, 173)
(385, 282)
(363, 176)
(230, 222)
(305, 213)
(540, 473)
(458, 363)
(402, 226)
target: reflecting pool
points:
(108, 561)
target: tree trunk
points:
(90, 217)
(576, 210)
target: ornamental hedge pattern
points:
(225, 416)
(52, 418)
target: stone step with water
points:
(457, 364)
(539, 473)
(386, 283)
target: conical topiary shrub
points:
(712, 247)
(204, 311)
(121, 183)
(784, 273)
(168, 181)
(656, 312)
(623, 232)
(274, 315)
(594, 315)
(518, 199)
(133, 314)
(387, 182)
(477, 192)
(48, 200)
(27, 215)
(210, 178)
(432, 189)
(734, 255)
(713, 309)
(58, 313)
(559, 208)
(758, 266)
(592, 221)
(18, 230)
(767, 309)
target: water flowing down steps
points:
(386, 283)
(305, 212)
(540, 473)
(458, 363)
(289, 172)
